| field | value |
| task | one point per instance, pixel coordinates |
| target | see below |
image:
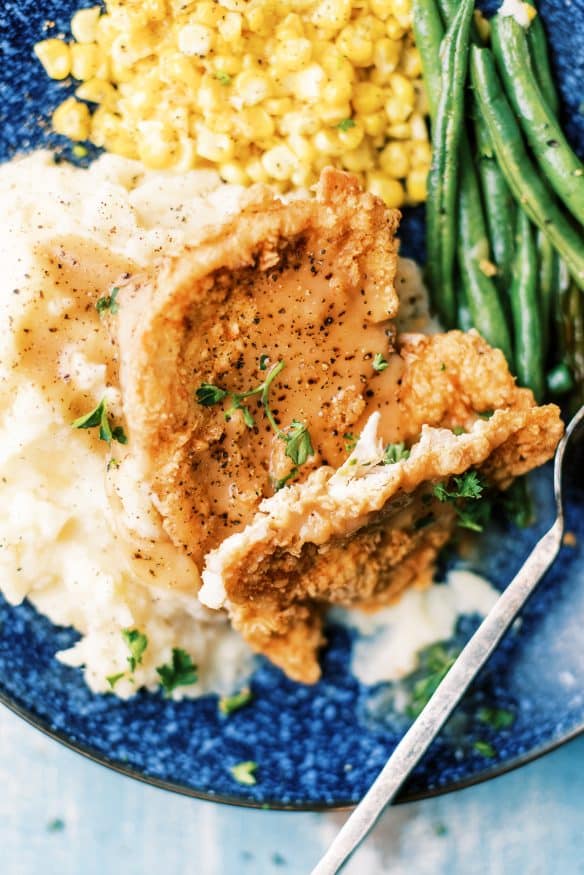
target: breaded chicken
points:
(308, 286)
(361, 534)
(280, 326)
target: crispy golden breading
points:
(280, 282)
(361, 538)
(309, 287)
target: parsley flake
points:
(379, 363)
(485, 749)
(223, 77)
(435, 663)
(137, 643)
(98, 417)
(244, 773)
(498, 718)
(283, 481)
(395, 453)
(350, 441)
(264, 359)
(229, 704)
(207, 394)
(296, 437)
(468, 485)
(108, 302)
(298, 444)
(180, 672)
(346, 124)
(458, 430)
(56, 825)
(112, 679)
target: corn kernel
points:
(389, 190)
(357, 47)
(255, 170)
(394, 29)
(84, 61)
(337, 92)
(410, 63)
(332, 15)
(97, 91)
(218, 148)
(195, 39)
(416, 185)
(395, 161)
(84, 24)
(72, 119)
(402, 10)
(230, 26)
(367, 97)
(293, 54)
(402, 131)
(327, 142)
(386, 55)
(374, 124)
(280, 162)
(418, 126)
(302, 148)
(333, 114)
(381, 8)
(254, 123)
(304, 122)
(210, 95)
(291, 27)
(358, 159)
(252, 88)
(420, 154)
(157, 145)
(308, 84)
(351, 137)
(55, 56)
(233, 173)
(175, 68)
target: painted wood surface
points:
(63, 815)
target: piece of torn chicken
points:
(263, 382)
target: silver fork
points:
(426, 727)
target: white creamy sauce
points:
(391, 639)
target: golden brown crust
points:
(319, 544)
(166, 328)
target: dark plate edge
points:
(236, 801)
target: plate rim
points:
(179, 789)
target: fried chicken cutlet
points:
(280, 328)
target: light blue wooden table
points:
(63, 815)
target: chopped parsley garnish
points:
(108, 302)
(264, 359)
(283, 481)
(486, 414)
(346, 124)
(467, 487)
(229, 704)
(458, 430)
(517, 504)
(297, 438)
(395, 453)
(137, 643)
(207, 394)
(497, 718)
(244, 773)
(223, 77)
(180, 672)
(112, 679)
(435, 663)
(298, 444)
(379, 363)
(350, 441)
(484, 748)
(98, 418)
(56, 825)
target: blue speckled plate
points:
(317, 746)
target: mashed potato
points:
(79, 536)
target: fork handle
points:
(426, 727)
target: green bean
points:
(569, 323)
(531, 192)
(428, 34)
(486, 311)
(559, 380)
(549, 277)
(559, 164)
(443, 175)
(499, 207)
(463, 316)
(537, 41)
(526, 314)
